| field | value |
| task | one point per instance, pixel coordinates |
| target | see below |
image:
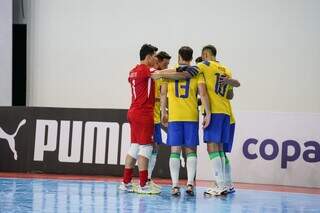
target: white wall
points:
(5, 52)
(80, 51)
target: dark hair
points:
(199, 59)
(147, 49)
(211, 48)
(163, 55)
(186, 53)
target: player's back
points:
(182, 99)
(142, 88)
(217, 92)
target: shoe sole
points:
(221, 194)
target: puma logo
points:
(11, 138)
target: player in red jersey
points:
(140, 117)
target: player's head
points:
(199, 59)
(163, 60)
(209, 53)
(185, 55)
(147, 54)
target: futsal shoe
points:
(230, 189)
(175, 191)
(128, 187)
(216, 191)
(153, 184)
(147, 190)
(190, 190)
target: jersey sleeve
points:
(228, 73)
(193, 70)
(201, 79)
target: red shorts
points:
(142, 127)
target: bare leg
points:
(130, 162)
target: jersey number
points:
(184, 87)
(219, 89)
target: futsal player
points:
(227, 147)
(183, 120)
(218, 133)
(140, 117)
(163, 60)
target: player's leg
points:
(214, 150)
(145, 152)
(191, 136)
(157, 141)
(227, 164)
(131, 157)
(130, 161)
(146, 130)
(213, 138)
(175, 140)
(152, 161)
(174, 166)
(191, 154)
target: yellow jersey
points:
(212, 71)
(232, 118)
(182, 99)
(156, 112)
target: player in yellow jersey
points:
(163, 60)
(219, 133)
(183, 120)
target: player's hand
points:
(206, 121)
(164, 119)
(223, 80)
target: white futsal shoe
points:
(128, 187)
(147, 190)
(153, 184)
(216, 191)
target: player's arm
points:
(163, 104)
(229, 81)
(179, 73)
(174, 75)
(206, 103)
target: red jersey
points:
(142, 87)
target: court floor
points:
(58, 195)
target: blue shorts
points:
(157, 134)
(227, 147)
(184, 133)
(219, 130)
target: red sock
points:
(127, 175)
(143, 175)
